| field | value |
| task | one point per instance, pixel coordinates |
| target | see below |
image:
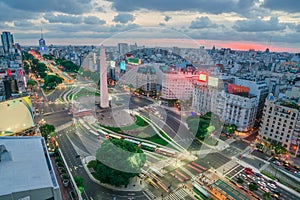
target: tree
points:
(46, 130)
(253, 187)
(267, 196)
(240, 180)
(119, 154)
(203, 125)
(51, 81)
(31, 83)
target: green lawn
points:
(157, 140)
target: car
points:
(272, 182)
(276, 162)
(258, 175)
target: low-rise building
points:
(26, 171)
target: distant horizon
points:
(165, 42)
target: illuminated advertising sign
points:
(112, 64)
(237, 89)
(213, 81)
(203, 77)
(122, 65)
(134, 61)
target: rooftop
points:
(28, 168)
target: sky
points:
(236, 24)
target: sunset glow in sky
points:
(236, 24)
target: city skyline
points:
(243, 25)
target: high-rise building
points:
(42, 45)
(281, 124)
(259, 89)
(178, 86)
(239, 110)
(146, 80)
(123, 48)
(7, 41)
(234, 107)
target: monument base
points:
(100, 109)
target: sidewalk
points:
(65, 191)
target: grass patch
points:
(157, 140)
(140, 121)
(112, 128)
(268, 175)
(85, 92)
(70, 97)
(164, 135)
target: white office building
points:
(239, 110)
(178, 86)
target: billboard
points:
(112, 64)
(213, 81)
(203, 77)
(237, 89)
(16, 116)
(122, 65)
(134, 61)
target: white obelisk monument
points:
(104, 102)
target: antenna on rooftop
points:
(41, 32)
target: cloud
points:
(65, 6)
(161, 24)
(167, 18)
(23, 24)
(93, 20)
(291, 6)
(202, 22)
(71, 19)
(258, 25)
(211, 6)
(123, 18)
(9, 14)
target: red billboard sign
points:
(237, 89)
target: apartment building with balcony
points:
(281, 124)
(233, 108)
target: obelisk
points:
(104, 102)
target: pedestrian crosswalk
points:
(149, 194)
(177, 195)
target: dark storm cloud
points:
(211, 6)
(72, 19)
(202, 22)
(258, 25)
(65, 6)
(292, 6)
(123, 18)
(93, 20)
(167, 18)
